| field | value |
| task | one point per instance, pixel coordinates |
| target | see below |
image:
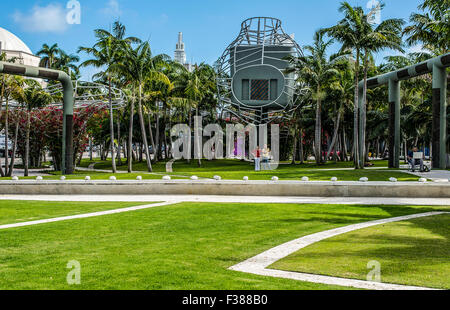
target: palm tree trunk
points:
(130, 138)
(335, 135)
(90, 148)
(190, 141)
(198, 142)
(166, 149)
(294, 151)
(318, 130)
(356, 115)
(302, 157)
(2, 174)
(6, 136)
(363, 112)
(158, 140)
(143, 131)
(111, 127)
(13, 155)
(155, 158)
(119, 145)
(27, 144)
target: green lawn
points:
(236, 170)
(15, 211)
(80, 175)
(415, 252)
(184, 246)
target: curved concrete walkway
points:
(259, 263)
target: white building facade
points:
(15, 48)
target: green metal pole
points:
(394, 98)
(64, 78)
(439, 117)
(67, 148)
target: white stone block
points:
(422, 180)
(275, 179)
(194, 178)
(393, 180)
(167, 178)
(364, 179)
(334, 179)
(112, 178)
(15, 178)
(87, 178)
(217, 177)
(245, 178)
(39, 178)
(305, 179)
(62, 178)
(139, 178)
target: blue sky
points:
(208, 25)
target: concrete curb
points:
(227, 187)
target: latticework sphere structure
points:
(252, 82)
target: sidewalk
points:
(434, 175)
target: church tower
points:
(180, 54)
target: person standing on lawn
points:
(257, 154)
(265, 157)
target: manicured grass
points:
(415, 252)
(137, 166)
(80, 175)
(185, 246)
(15, 211)
(236, 170)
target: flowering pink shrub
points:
(46, 132)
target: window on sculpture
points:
(259, 90)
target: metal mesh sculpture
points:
(251, 80)
(85, 94)
(89, 93)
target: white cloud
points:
(50, 18)
(112, 8)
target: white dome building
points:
(13, 47)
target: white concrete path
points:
(259, 263)
(86, 215)
(238, 199)
(434, 175)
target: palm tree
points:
(32, 97)
(431, 28)
(316, 70)
(66, 62)
(344, 86)
(385, 35)
(140, 66)
(107, 52)
(194, 93)
(351, 32)
(50, 55)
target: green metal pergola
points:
(437, 66)
(61, 76)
